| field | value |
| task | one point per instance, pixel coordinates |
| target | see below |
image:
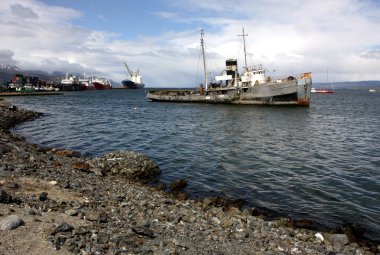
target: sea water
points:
(320, 162)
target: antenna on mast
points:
(245, 52)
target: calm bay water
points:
(321, 162)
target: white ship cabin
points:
(134, 75)
(136, 78)
(68, 80)
(230, 77)
(253, 76)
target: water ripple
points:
(321, 162)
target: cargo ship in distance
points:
(135, 81)
(252, 87)
(94, 83)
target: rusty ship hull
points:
(281, 92)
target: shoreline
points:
(74, 205)
(15, 94)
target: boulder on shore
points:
(128, 163)
(11, 222)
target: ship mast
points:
(245, 52)
(204, 60)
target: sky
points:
(336, 40)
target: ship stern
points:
(304, 89)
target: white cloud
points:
(22, 12)
(321, 34)
(6, 57)
(371, 54)
(289, 36)
(166, 15)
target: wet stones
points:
(83, 166)
(338, 239)
(12, 108)
(178, 185)
(126, 163)
(11, 115)
(66, 153)
(222, 202)
(304, 223)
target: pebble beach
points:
(53, 201)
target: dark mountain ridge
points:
(7, 72)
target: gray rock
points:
(102, 238)
(178, 185)
(43, 196)
(11, 222)
(12, 185)
(338, 239)
(71, 212)
(99, 216)
(64, 227)
(127, 163)
(5, 198)
(141, 230)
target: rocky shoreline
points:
(53, 201)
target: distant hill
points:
(7, 72)
(350, 85)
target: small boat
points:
(313, 90)
(135, 81)
(372, 90)
(251, 87)
(326, 91)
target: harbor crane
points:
(131, 73)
